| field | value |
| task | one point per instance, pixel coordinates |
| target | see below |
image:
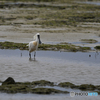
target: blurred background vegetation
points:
(47, 0)
(56, 13)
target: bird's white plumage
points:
(33, 45)
(35, 36)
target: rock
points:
(47, 91)
(43, 83)
(87, 87)
(37, 87)
(9, 80)
(98, 87)
(98, 92)
(67, 84)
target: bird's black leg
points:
(30, 55)
(34, 54)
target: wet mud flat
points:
(57, 21)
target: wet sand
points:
(7, 33)
(18, 28)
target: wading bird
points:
(33, 45)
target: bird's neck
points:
(37, 40)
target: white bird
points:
(33, 45)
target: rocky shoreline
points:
(37, 87)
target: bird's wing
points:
(35, 43)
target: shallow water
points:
(91, 2)
(4, 96)
(95, 3)
(82, 43)
(55, 66)
(61, 88)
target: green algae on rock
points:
(37, 87)
(89, 40)
(66, 84)
(42, 83)
(12, 45)
(10, 86)
(22, 46)
(87, 87)
(47, 91)
(97, 47)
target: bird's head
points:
(37, 36)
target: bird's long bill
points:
(39, 39)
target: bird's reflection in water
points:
(32, 59)
(96, 54)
